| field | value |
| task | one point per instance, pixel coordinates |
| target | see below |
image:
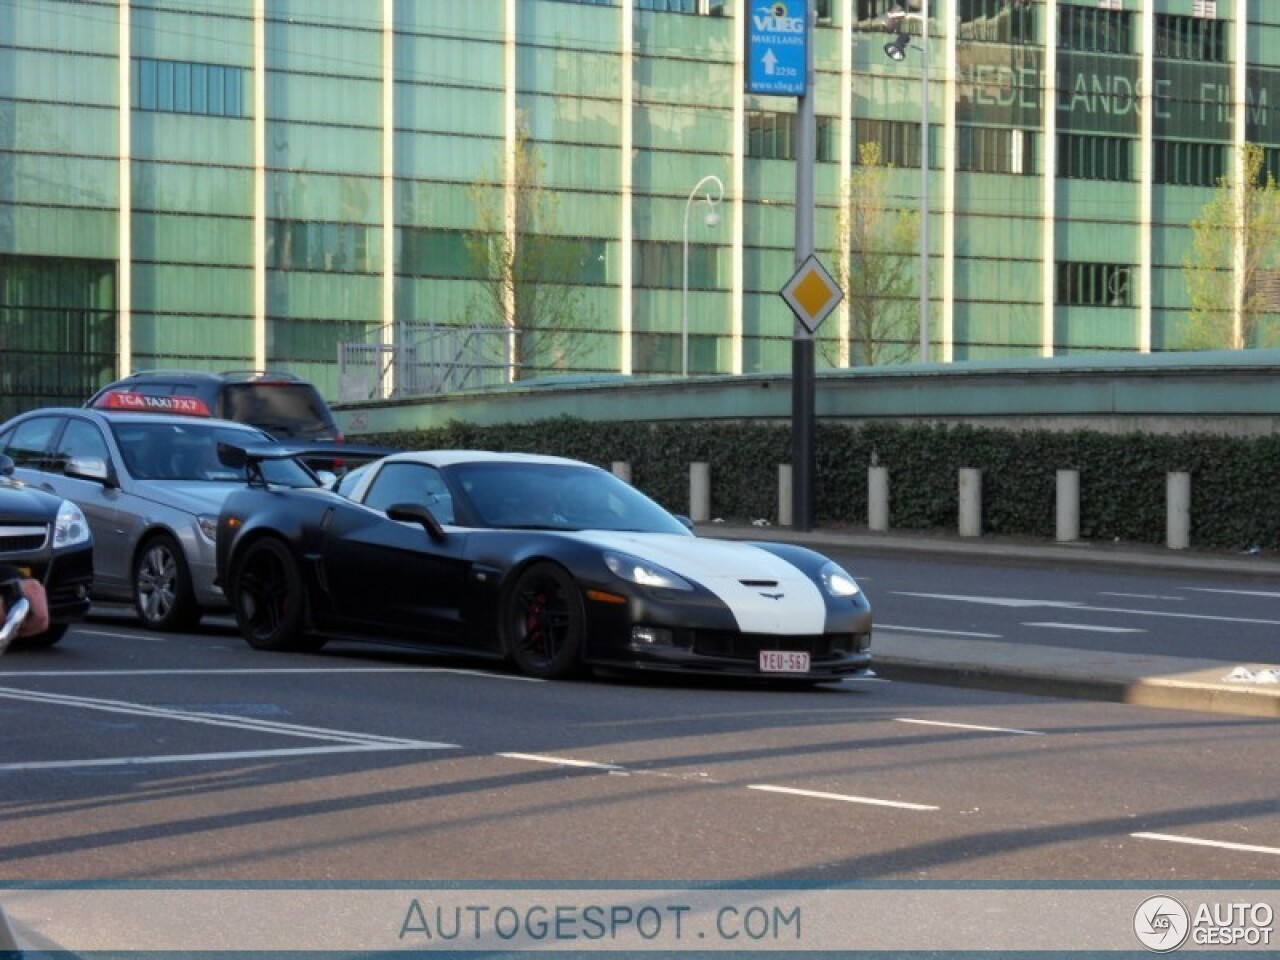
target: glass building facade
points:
(230, 184)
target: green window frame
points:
(995, 150)
(899, 141)
(659, 265)
(1185, 163)
(1089, 284)
(179, 86)
(1083, 156)
(1095, 30)
(1201, 39)
(771, 136)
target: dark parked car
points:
(554, 564)
(283, 405)
(46, 538)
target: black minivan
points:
(282, 404)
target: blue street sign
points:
(777, 48)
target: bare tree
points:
(528, 274)
(879, 276)
(1231, 268)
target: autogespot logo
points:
(1161, 924)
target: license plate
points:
(784, 661)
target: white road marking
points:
(846, 798)
(1088, 628)
(340, 741)
(81, 632)
(1219, 844)
(1141, 596)
(881, 627)
(970, 726)
(563, 761)
(1243, 593)
(207, 757)
(248, 671)
(1071, 605)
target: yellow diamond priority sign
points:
(812, 294)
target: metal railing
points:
(422, 360)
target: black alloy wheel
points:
(269, 599)
(544, 623)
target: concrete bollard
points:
(1068, 505)
(970, 503)
(878, 499)
(700, 492)
(785, 493)
(622, 470)
(1178, 490)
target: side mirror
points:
(6, 465)
(89, 468)
(417, 513)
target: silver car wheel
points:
(157, 582)
(162, 592)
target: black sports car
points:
(553, 563)
(46, 538)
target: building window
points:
(1186, 164)
(997, 21)
(1084, 156)
(326, 247)
(1191, 38)
(771, 136)
(174, 86)
(899, 141)
(659, 265)
(995, 150)
(1094, 285)
(433, 252)
(704, 8)
(1095, 30)
(869, 14)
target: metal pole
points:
(924, 181)
(802, 352)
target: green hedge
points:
(1235, 494)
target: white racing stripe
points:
(785, 601)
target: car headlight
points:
(643, 572)
(838, 582)
(208, 525)
(70, 528)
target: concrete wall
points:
(1236, 393)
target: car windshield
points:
(537, 496)
(189, 451)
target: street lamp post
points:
(897, 50)
(711, 219)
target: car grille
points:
(26, 538)
(747, 646)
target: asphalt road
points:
(127, 755)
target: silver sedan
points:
(151, 486)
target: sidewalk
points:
(1143, 679)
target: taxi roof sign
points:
(812, 294)
(149, 403)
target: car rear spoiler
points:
(249, 457)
